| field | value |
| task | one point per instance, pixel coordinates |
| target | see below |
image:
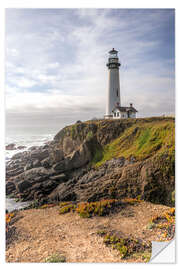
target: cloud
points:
(56, 61)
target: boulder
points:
(63, 192)
(21, 147)
(33, 175)
(39, 154)
(60, 178)
(29, 165)
(36, 163)
(10, 187)
(14, 172)
(46, 163)
(11, 146)
(60, 167)
(32, 148)
(23, 185)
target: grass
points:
(165, 223)
(67, 208)
(127, 247)
(56, 258)
(44, 206)
(141, 141)
(98, 208)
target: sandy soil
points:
(43, 232)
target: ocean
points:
(28, 141)
(12, 205)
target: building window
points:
(117, 92)
(117, 114)
(114, 114)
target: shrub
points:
(126, 246)
(55, 258)
(132, 200)
(89, 135)
(165, 223)
(9, 217)
(173, 197)
(34, 204)
(47, 205)
(100, 208)
(67, 208)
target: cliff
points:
(99, 159)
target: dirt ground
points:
(43, 232)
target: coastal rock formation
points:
(12, 146)
(99, 159)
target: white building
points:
(124, 112)
(113, 106)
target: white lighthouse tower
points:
(113, 96)
(113, 107)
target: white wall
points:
(123, 115)
(113, 87)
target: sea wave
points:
(27, 141)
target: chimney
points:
(131, 104)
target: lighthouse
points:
(113, 106)
(113, 94)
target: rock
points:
(14, 172)
(21, 147)
(32, 148)
(33, 175)
(11, 146)
(39, 154)
(23, 185)
(29, 165)
(79, 158)
(61, 170)
(60, 167)
(60, 178)
(10, 187)
(62, 192)
(46, 145)
(36, 163)
(46, 163)
(22, 155)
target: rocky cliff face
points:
(99, 159)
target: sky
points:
(55, 64)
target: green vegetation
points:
(89, 135)
(98, 155)
(73, 131)
(98, 208)
(141, 141)
(67, 208)
(55, 258)
(165, 223)
(44, 206)
(127, 247)
(173, 197)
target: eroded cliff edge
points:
(99, 159)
